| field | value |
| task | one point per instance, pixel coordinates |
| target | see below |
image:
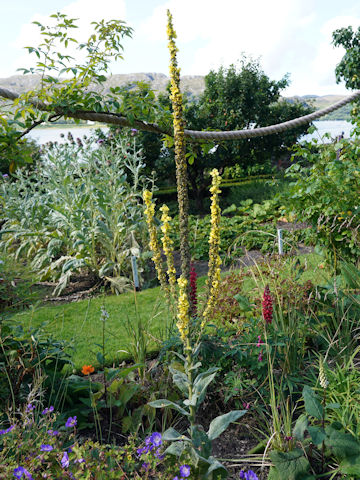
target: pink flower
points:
(267, 305)
(260, 357)
(259, 341)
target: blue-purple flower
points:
(65, 460)
(151, 442)
(71, 422)
(30, 407)
(156, 439)
(53, 433)
(48, 410)
(7, 430)
(185, 471)
(250, 475)
(20, 471)
(46, 448)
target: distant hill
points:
(193, 85)
(319, 102)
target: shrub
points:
(79, 213)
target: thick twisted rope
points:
(117, 119)
(280, 127)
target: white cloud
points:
(288, 36)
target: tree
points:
(237, 98)
(349, 67)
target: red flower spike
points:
(267, 306)
(193, 290)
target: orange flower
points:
(87, 369)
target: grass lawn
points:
(80, 321)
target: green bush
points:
(325, 193)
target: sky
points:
(287, 36)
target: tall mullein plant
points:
(195, 446)
(180, 151)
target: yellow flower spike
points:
(168, 248)
(213, 282)
(154, 243)
(180, 150)
(183, 315)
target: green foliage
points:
(50, 448)
(324, 193)
(333, 443)
(26, 356)
(17, 289)
(243, 229)
(348, 68)
(80, 213)
(195, 447)
(67, 86)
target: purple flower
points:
(20, 471)
(158, 454)
(48, 410)
(156, 439)
(185, 471)
(30, 407)
(142, 450)
(5, 175)
(176, 478)
(100, 141)
(250, 475)
(145, 466)
(53, 433)
(46, 448)
(71, 422)
(7, 430)
(79, 460)
(65, 460)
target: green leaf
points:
(220, 424)
(343, 445)
(170, 435)
(167, 403)
(243, 303)
(100, 358)
(200, 441)
(176, 449)
(180, 379)
(216, 469)
(317, 434)
(201, 383)
(313, 406)
(300, 427)
(290, 465)
(351, 466)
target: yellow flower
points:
(168, 247)
(213, 281)
(183, 312)
(154, 243)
